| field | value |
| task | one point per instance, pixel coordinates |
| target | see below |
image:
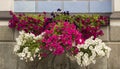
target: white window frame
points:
(73, 0)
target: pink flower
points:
(59, 50)
(60, 37)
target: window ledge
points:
(115, 15)
(4, 15)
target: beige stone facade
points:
(7, 40)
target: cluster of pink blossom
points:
(29, 23)
(41, 36)
(90, 25)
(63, 37)
(36, 24)
(63, 32)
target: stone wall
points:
(9, 61)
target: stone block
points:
(7, 58)
(6, 5)
(6, 33)
(101, 63)
(114, 59)
(105, 37)
(26, 65)
(16, 34)
(50, 62)
(115, 30)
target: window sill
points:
(115, 15)
(4, 15)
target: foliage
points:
(59, 34)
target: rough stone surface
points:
(6, 33)
(26, 65)
(7, 58)
(114, 60)
(9, 61)
(101, 63)
(115, 30)
(16, 33)
(51, 62)
(105, 37)
(115, 15)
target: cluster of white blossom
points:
(25, 48)
(90, 50)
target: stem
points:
(69, 62)
(36, 63)
(52, 62)
(86, 67)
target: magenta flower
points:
(59, 50)
(59, 38)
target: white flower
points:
(36, 50)
(42, 33)
(81, 53)
(93, 61)
(80, 40)
(78, 58)
(31, 35)
(21, 58)
(25, 50)
(22, 55)
(100, 53)
(34, 41)
(79, 46)
(85, 46)
(39, 36)
(28, 54)
(73, 44)
(18, 40)
(91, 50)
(85, 60)
(16, 48)
(21, 32)
(23, 40)
(91, 47)
(107, 51)
(39, 58)
(31, 59)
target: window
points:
(75, 6)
